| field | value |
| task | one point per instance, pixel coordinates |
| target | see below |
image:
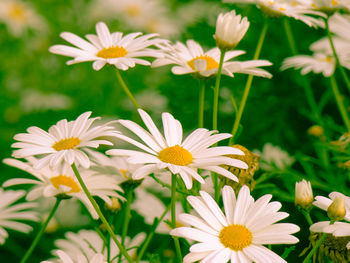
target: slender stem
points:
(98, 211)
(308, 217)
(127, 91)
(290, 37)
(41, 231)
(151, 234)
(201, 103)
(342, 70)
(340, 102)
(216, 91)
(127, 216)
(319, 242)
(173, 216)
(248, 84)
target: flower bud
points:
(336, 211)
(316, 131)
(230, 29)
(114, 206)
(303, 195)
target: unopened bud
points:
(303, 195)
(114, 206)
(336, 211)
(316, 131)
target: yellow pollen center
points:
(282, 9)
(211, 63)
(66, 181)
(133, 10)
(112, 52)
(123, 173)
(236, 237)
(17, 12)
(175, 155)
(327, 59)
(66, 144)
(334, 2)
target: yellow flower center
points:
(17, 12)
(327, 59)
(282, 9)
(236, 237)
(66, 181)
(112, 52)
(334, 2)
(175, 155)
(133, 10)
(66, 144)
(211, 63)
(124, 173)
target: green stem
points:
(127, 215)
(308, 217)
(173, 216)
(98, 211)
(290, 37)
(41, 231)
(342, 70)
(151, 234)
(340, 102)
(216, 91)
(127, 91)
(201, 103)
(185, 192)
(248, 84)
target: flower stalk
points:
(126, 89)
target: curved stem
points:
(216, 91)
(340, 102)
(151, 234)
(201, 103)
(173, 216)
(342, 70)
(41, 231)
(308, 217)
(98, 211)
(248, 84)
(127, 91)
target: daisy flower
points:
(330, 6)
(317, 63)
(19, 16)
(240, 234)
(273, 157)
(11, 212)
(180, 157)
(280, 8)
(52, 182)
(64, 143)
(106, 48)
(80, 258)
(89, 242)
(191, 58)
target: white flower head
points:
(330, 6)
(20, 16)
(324, 202)
(54, 183)
(239, 234)
(317, 63)
(65, 143)
(12, 212)
(63, 257)
(230, 29)
(303, 194)
(191, 59)
(89, 242)
(171, 152)
(273, 157)
(109, 48)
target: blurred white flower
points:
(89, 242)
(51, 182)
(280, 8)
(329, 6)
(11, 212)
(191, 58)
(317, 63)
(230, 29)
(19, 16)
(65, 143)
(36, 101)
(109, 48)
(273, 157)
(78, 258)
